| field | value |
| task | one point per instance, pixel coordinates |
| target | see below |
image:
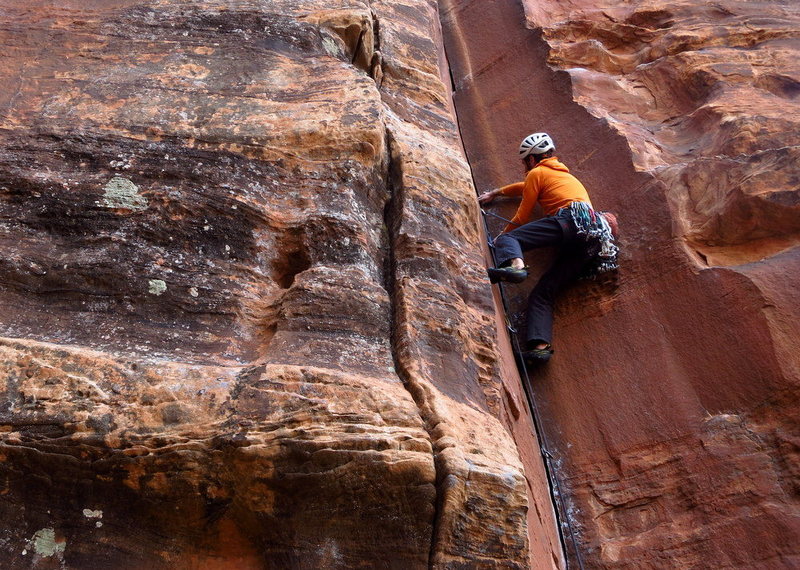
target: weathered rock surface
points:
(245, 322)
(672, 400)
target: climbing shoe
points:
(509, 274)
(537, 355)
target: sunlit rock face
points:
(671, 403)
(245, 321)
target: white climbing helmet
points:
(537, 143)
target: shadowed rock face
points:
(245, 317)
(671, 403)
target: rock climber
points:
(585, 237)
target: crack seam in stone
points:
(552, 480)
(392, 218)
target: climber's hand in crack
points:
(488, 196)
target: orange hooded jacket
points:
(549, 183)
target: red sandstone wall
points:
(672, 400)
(245, 320)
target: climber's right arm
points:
(510, 190)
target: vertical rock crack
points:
(393, 213)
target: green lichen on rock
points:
(45, 544)
(331, 47)
(122, 193)
(156, 286)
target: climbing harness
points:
(592, 225)
(556, 496)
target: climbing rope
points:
(562, 519)
(485, 213)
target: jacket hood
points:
(554, 163)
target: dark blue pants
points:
(573, 254)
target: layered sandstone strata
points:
(671, 403)
(245, 322)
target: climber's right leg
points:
(510, 246)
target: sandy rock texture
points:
(245, 321)
(671, 403)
